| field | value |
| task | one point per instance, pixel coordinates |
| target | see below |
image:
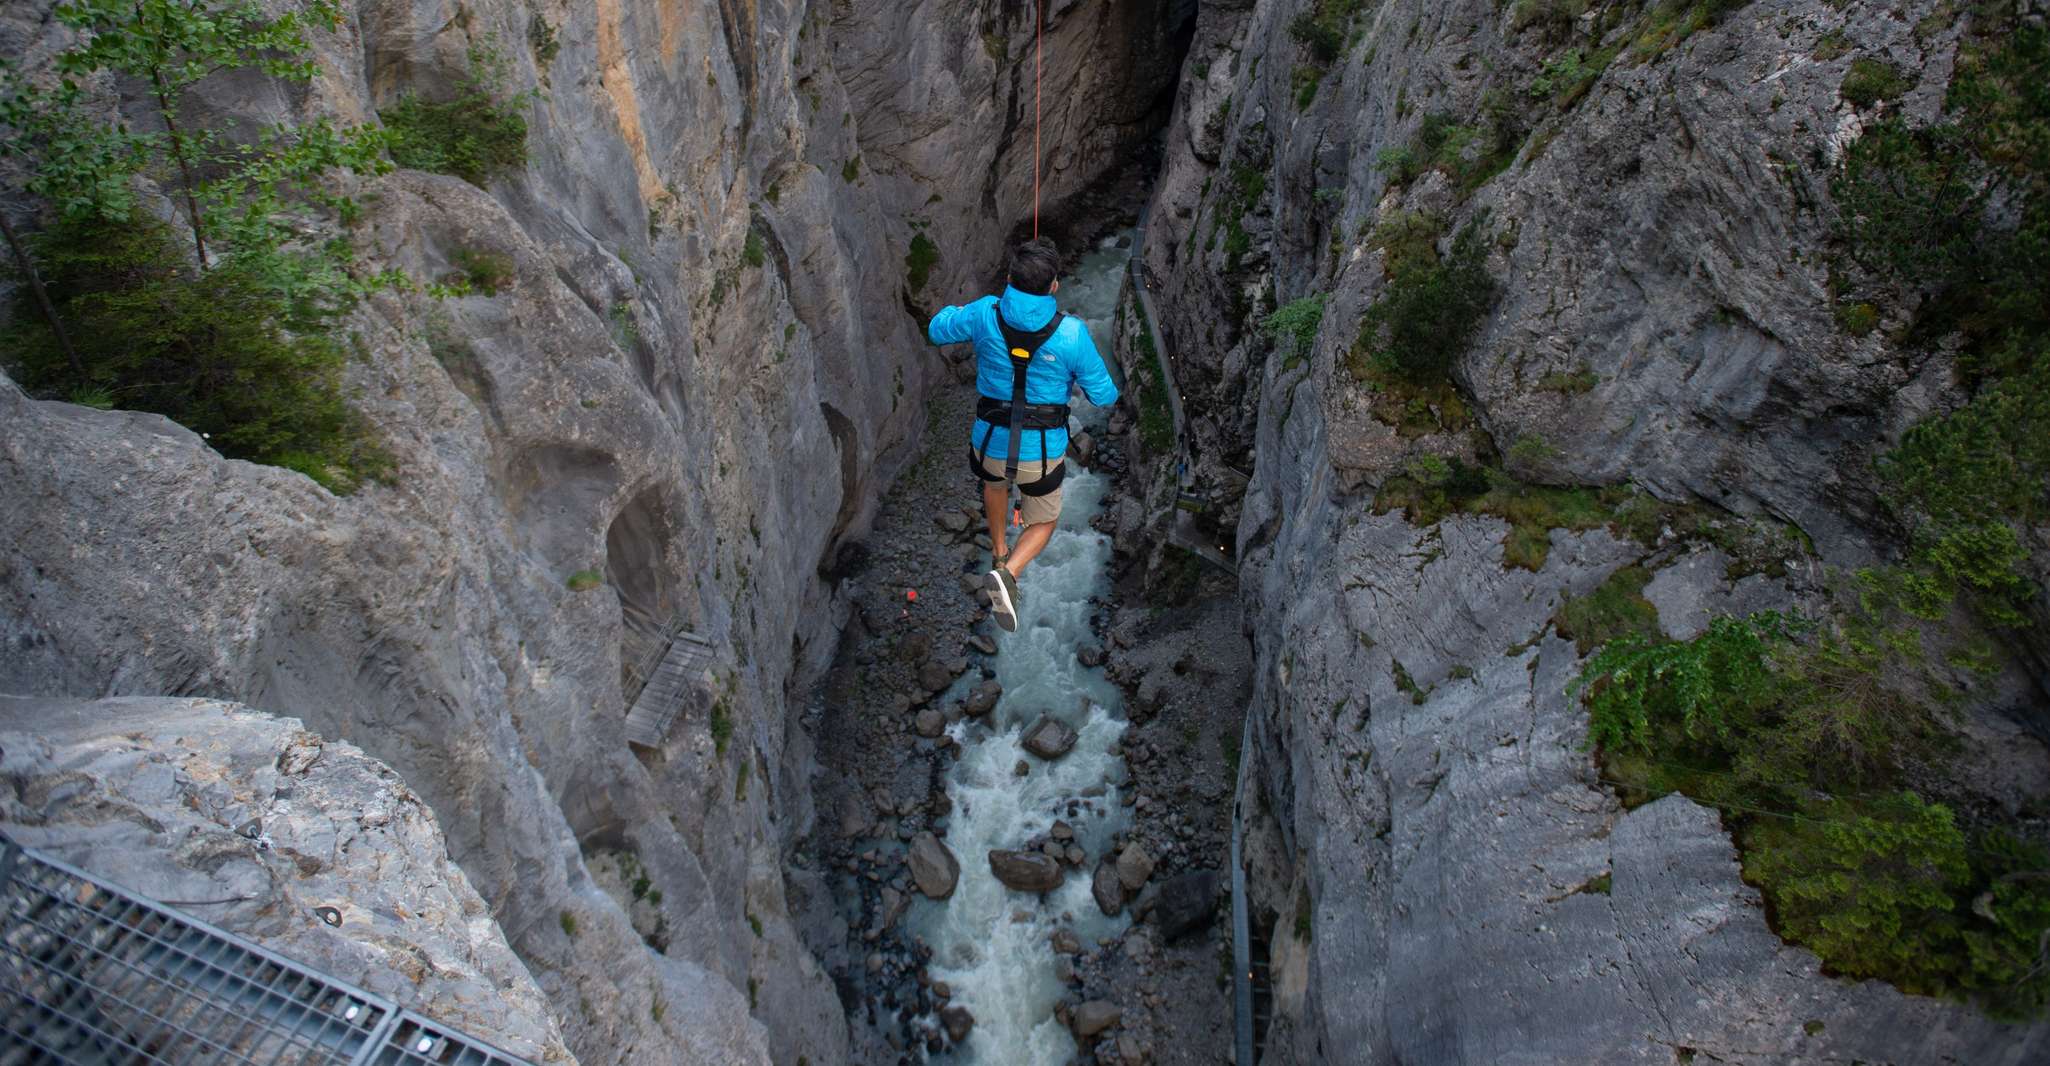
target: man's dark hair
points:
(1034, 266)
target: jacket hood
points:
(1024, 310)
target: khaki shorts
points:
(1032, 510)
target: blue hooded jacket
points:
(1069, 357)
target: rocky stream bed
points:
(1117, 870)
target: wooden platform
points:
(668, 686)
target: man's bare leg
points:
(1029, 544)
(996, 506)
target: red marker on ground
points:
(911, 595)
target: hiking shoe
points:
(1003, 598)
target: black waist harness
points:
(1019, 415)
(1033, 415)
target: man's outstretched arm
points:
(950, 326)
(1092, 375)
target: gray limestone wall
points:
(644, 399)
(1448, 878)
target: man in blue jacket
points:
(1028, 356)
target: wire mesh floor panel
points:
(91, 973)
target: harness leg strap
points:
(1047, 482)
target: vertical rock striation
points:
(1449, 879)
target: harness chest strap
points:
(1022, 345)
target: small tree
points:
(254, 202)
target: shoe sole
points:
(1000, 603)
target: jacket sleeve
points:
(950, 326)
(1089, 371)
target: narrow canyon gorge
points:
(1563, 582)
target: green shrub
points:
(1913, 212)
(1297, 323)
(484, 272)
(1572, 382)
(475, 135)
(1961, 482)
(1468, 154)
(755, 252)
(1408, 239)
(1912, 202)
(1868, 885)
(230, 334)
(1800, 738)
(1303, 82)
(1670, 22)
(1857, 319)
(1156, 416)
(1616, 608)
(584, 581)
(1432, 488)
(851, 172)
(1568, 77)
(2009, 962)
(919, 261)
(1321, 29)
(722, 727)
(215, 350)
(1872, 81)
(1428, 314)
(1531, 452)
(1638, 686)
(542, 39)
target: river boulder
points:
(984, 699)
(1110, 895)
(1050, 738)
(1185, 904)
(1134, 867)
(1094, 1017)
(1026, 871)
(933, 866)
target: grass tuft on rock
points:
(1156, 414)
(1616, 608)
(919, 261)
(1429, 312)
(1870, 82)
(1296, 323)
(475, 135)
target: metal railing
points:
(1241, 920)
(91, 973)
(1181, 532)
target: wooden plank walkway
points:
(665, 688)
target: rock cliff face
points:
(1452, 881)
(255, 824)
(696, 379)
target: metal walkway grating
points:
(661, 697)
(93, 974)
